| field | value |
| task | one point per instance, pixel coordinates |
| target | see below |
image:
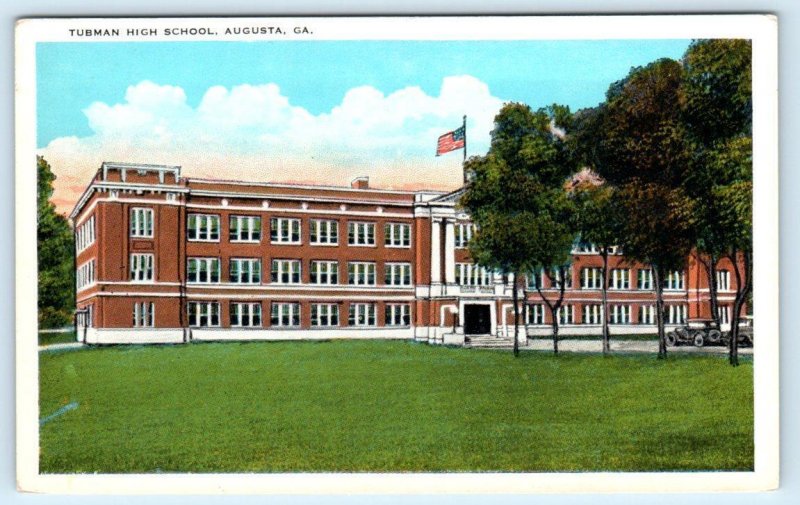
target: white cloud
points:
(253, 132)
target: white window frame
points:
(245, 315)
(463, 234)
(85, 275)
(397, 314)
(211, 266)
(250, 268)
(362, 314)
(144, 314)
(647, 314)
(397, 235)
(591, 278)
(592, 314)
(620, 279)
(197, 311)
(585, 248)
(361, 273)
(361, 234)
(398, 274)
(324, 272)
(286, 271)
(85, 234)
(248, 229)
(206, 227)
(324, 232)
(724, 314)
(324, 315)
(723, 280)
(285, 230)
(285, 315)
(644, 279)
(675, 281)
(470, 274)
(676, 313)
(566, 315)
(619, 314)
(142, 267)
(141, 224)
(535, 314)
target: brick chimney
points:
(360, 182)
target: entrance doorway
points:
(477, 319)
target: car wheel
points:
(714, 336)
(671, 340)
(698, 340)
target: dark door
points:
(477, 319)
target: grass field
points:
(47, 338)
(389, 406)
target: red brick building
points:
(162, 258)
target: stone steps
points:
(489, 342)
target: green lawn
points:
(47, 338)
(389, 406)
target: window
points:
(203, 228)
(85, 275)
(464, 232)
(284, 230)
(723, 280)
(592, 314)
(555, 275)
(203, 270)
(468, 274)
(324, 231)
(144, 315)
(620, 314)
(584, 248)
(141, 267)
(620, 278)
(202, 314)
(85, 316)
(647, 314)
(398, 274)
(361, 234)
(245, 314)
(85, 234)
(535, 313)
(675, 314)
(285, 314)
(245, 270)
(362, 314)
(286, 271)
(142, 223)
(361, 273)
(324, 314)
(724, 313)
(397, 314)
(645, 279)
(566, 314)
(245, 229)
(673, 281)
(591, 278)
(397, 235)
(324, 272)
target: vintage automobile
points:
(697, 332)
(745, 333)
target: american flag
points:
(451, 141)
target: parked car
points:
(697, 332)
(745, 333)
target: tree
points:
(517, 198)
(55, 252)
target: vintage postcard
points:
(397, 254)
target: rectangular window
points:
(723, 280)
(535, 313)
(591, 278)
(398, 274)
(566, 314)
(245, 270)
(203, 314)
(620, 278)
(592, 314)
(324, 314)
(144, 315)
(141, 223)
(397, 235)
(362, 314)
(361, 233)
(286, 271)
(245, 314)
(620, 314)
(284, 230)
(675, 314)
(724, 313)
(463, 232)
(647, 314)
(203, 270)
(397, 314)
(361, 273)
(469, 274)
(85, 275)
(142, 267)
(324, 272)
(673, 281)
(203, 228)
(85, 234)
(645, 279)
(244, 229)
(555, 276)
(324, 232)
(285, 314)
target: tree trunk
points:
(662, 341)
(711, 270)
(606, 343)
(516, 313)
(553, 306)
(743, 287)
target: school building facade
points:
(161, 258)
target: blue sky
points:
(310, 111)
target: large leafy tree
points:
(55, 252)
(517, 199)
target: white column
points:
(449, 252)
(436, 252)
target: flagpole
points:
(463, 169)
